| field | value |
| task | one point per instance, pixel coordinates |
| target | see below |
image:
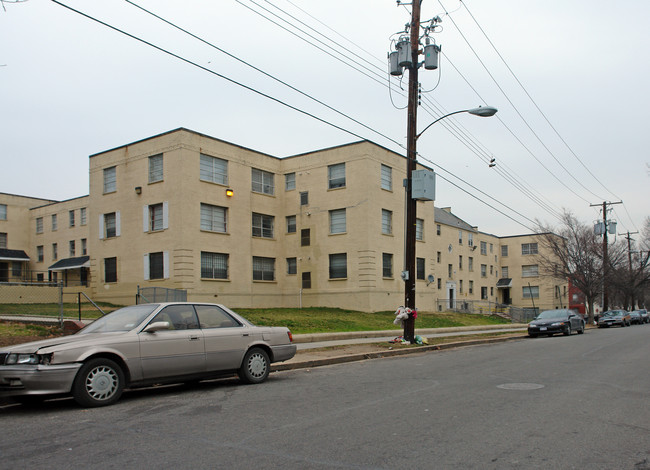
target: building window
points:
(289, 181)
(471, 287)
(491, 291)
(39, 253)
(109, 225)
(263, 182)
(470, 239)
(292, 266)
(305, 237)
(386, 222)
(110, 269)
(460, 289)
(263, 225)
(110, 180)
(3, 240)
(82, 216)
(483, 248)
(17, 269)
(304, 198)
(71, 218)
(530, 292)
(213, 218)
(531, 270)
(339, 266)
(504, 271)
(55, 251)
(484, 294)
(419, 268)
(419, 229)
(213, 170)
(306, 280)
(460, 237)
(263, 269)
(3, 211)
(154, 218)
(491, 269)
(214, 265)
(155, 168)
(438, 229)
(72, 249)
(529, 248)
(291, 224)
(470, 264)
(337, 221)
(491, 248)
(39, 225)
(484, 270)
(439, 283)
(504, 250)
(450, 271)
(460, 261)
(386, 178)
(84, 247)
(438, 256)
(387, 264)
(336, 176)
(55, 223)
(156, 265)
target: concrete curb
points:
(388, 353)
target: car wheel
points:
(581, 330)
(568, 331)
(255, 367)
(99, 382)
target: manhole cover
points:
(520, 386)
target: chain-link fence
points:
(485, 307)
(160, 294)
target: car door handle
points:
(194, 338)
(244, 334)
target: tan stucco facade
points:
(324, 228)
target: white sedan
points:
(141, 345)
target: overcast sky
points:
(71, 87)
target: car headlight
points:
(558, 323)
(28, 359)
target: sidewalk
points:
(322, 349)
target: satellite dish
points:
(430, 279)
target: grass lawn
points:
(329, 320)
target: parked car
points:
(635, 318)
(614, 317)
(550, 322)
(644, 315)
(141, 345)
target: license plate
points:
(542, 328)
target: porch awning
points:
(504, 283)
(71, 263)
(13, 255)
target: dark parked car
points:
(635, 318)
(143, 345)
(614, 317)
(644, 315)
(550, 322)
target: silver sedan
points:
(141, 345)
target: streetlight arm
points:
(440, 119)
(482, 111)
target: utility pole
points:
(605, 255)
(411, 162)
(629, 260)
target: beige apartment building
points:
(232, 225)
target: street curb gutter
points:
(388, 353)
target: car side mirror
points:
(156, 326)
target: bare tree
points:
(574, 253)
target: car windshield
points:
(611, 313)
(548, 314)
(124, 319)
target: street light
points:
(411, 209)
(482, 111)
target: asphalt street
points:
(561, 402)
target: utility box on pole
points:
(424, 185)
